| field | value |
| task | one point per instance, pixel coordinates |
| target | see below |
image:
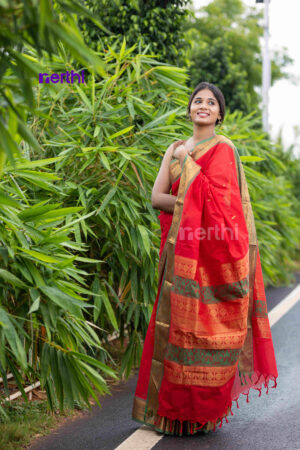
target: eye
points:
(211, 101)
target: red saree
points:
(209, 337)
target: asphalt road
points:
(268, 422)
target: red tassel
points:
(181, 424)
(201, 426)
(231, 411)
(220, 426)
(275, 384)
(237, 404)
(248, 397)
(226, 419)
(214, 426)
(267, 389)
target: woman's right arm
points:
(161, 199)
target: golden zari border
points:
(198, 375)
(185, 267)
(225, 273)
(188, 339)
(188, 308)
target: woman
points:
(209, 337)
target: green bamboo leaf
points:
(9, 201)
(104, 160)
(33, 175)
(79, 380)
(69, 225)
(145, 238)
(35, 297)
(62, 212)
(160, 119)
(37, 163)
(84, 98)
(134, 283)
(107, 198)
(65, 377)
(40, 256)
(76, 287)
(38, 279)
(12, 279)
(12, 338)
(63, 300)
(56, 377)
(123, 261)
(18, 379)
(36, 211)
(109, 310)
(7, 144)
(123, 47)
(27, 135)
(96, 363)
(45, 364)
(251, 158)
(95, 377)
(121, 132)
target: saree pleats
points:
(209, 337)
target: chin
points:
(204, 121)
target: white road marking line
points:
(284, 306)
(145, 438)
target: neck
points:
(201, 133)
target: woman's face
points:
(205, 108)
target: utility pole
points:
(266, 75)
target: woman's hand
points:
(180, 150)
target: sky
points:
(284, 97)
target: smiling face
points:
(205, 109)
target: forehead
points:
(204, 93)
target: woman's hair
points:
(217, 93)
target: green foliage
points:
(37, 24)
(23, 421)
(43, 329)
(225, 50)
(109, 136)
(157, 24)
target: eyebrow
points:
(208, 98)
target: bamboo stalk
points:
(8, 376)
(19, 393)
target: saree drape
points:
(209, 338)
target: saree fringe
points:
(181, 427)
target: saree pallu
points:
(209, 338)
